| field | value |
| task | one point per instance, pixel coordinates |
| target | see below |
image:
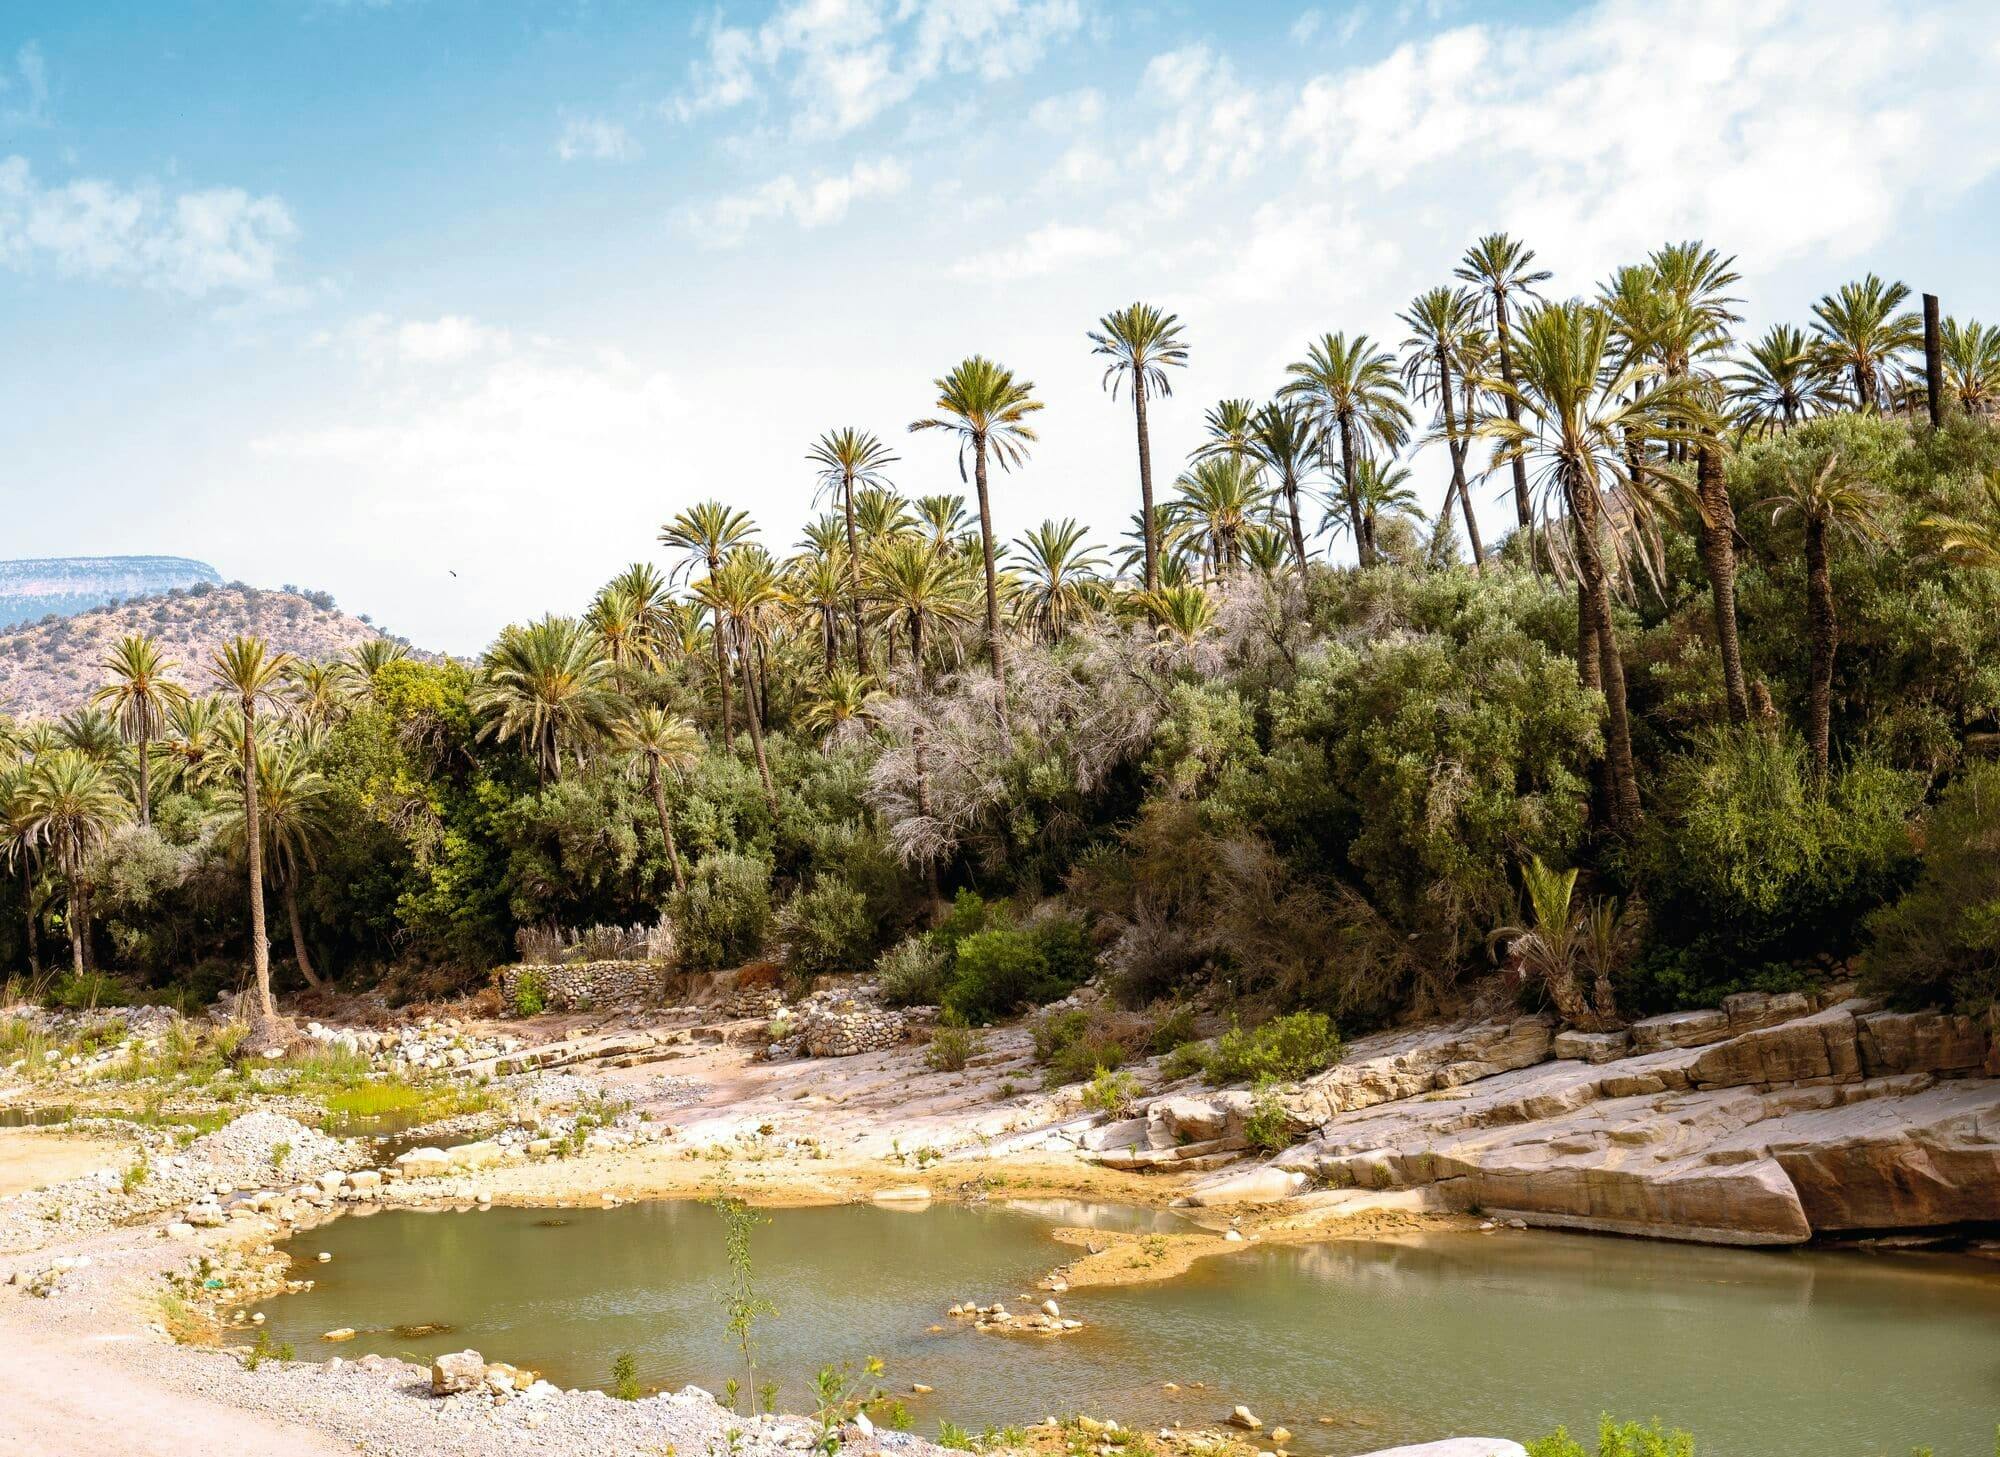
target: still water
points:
(1801, 1354)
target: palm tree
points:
(1501, 268)
(617, 616)
(1972, 364)
(741, 593)
(943, 520)
(844, 457)
(1215, 503)
(1861, 333)
(21, 851)
(1060, 567)
(139, 695)
(1579, 412)
(840, 701)
(1383, 491)
(1142, 344)
(704, 534)
(68, 805)
(1830, 500)
(929, 593)
(294, 820)
(1778, 383)
(250, 673)
(1442, 322)
(987, 409)
(1181, 616)
(1228, 425)
(197, 739)
(91, 731)
(821, 585)
(666, 744)
(372, 655)
(548, 685)
(881, 513)
(317, 694)
(1558, 944)
(1284, 444)
(1967, 542)
(1266, 549)
(1351, 387)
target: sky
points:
(444, 306)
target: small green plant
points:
(1187, 1059)
(259, 1352)
(839, 1396)
(952, 1045)
(287, 1351)
(741, 1300)
(625, 1376)
(280, 1151)
(136, 1175)
(1283, 1050)
(1269, 1126)
(531, 992)
(913, 973)
(1111, 1092)
(1618, 1439)
(1174, 1028)
(954, 1437)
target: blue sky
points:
(359, 294)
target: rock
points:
(1679, 1029)
(1253, 1186)
(324, 1257)
(457, 1372)
(1241, 1417)
(903, 1194)
(1280, 1436)
(1052, 1310)
(917, 1388)
(1900, 1042)
(180, 1229)
(1458, 1447)
(1591, 1047)
(1232, 1236)
(342, 1333)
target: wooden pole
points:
(1933, 361)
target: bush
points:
(531, 992)
(1283, 1050)
(86, 991)
(969, 915)
(825, 929)
(913, 972)
(951, 1047)
(1076, 1045)
(1111, 1092)
(722, 917)
(1618, 1439)
(998, 971)
(1269, 1126)
(1941, 941)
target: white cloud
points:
(1048, 249)
(815, 202)
(1068, 111)
(1306, 26)
(211, 240)
(596, 139)
(25, 89)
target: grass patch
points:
(185, 1323)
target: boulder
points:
(1819, 1046)
(1679, 1029)
(1591, 1047)
(457, 1372)
(1458, 1447)
(1898, 1042)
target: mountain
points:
(49, 668)
(33, 587)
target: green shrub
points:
(825, 929)
(952, 1046)
(913, 972)
(1075, 1045)
(625, 1376)
(722, 917)
(531, 993)
(969, 915)
(1618, 1439)
(1111, 1092)
(1184, 1061)
(1269, 1127)
(1174, 1028)
(1000, 970)
(1283, 1050)
(83, 991)
(1941, 941)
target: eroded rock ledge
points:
(1766, 1122)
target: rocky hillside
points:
(33, 587)
(49, 668)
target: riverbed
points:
(1352, 1345)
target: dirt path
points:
(66, 1394)
(30, 1158)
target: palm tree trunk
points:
(1590, 673)
(260, 945)
(1597, 599)
(1502, 339)
(1298, 531)
(1458, 449)
(994, 650)
(34, 916)
(756, 726)
(666, 823)
(75, 928)
(854, 573)
(1718, 558)
(299, 936)
(145, 775)
(1363, 552)
(1145, 481)
(1825, 632)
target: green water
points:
(1802, 1354)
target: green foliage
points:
(1076, 1045)
(1941, 940)
(1001, 970)
(1269, 1127)
(723, 916)
(952, 1045)
(625, 1376)
(1618, 1439)
(825, 929)
(740, 1299)
(913, 973)
(1284, 1049)
(84, 991)
(1111, 1091)
(531, 992)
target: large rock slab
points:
(1457, 1447)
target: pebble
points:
(324, 1257)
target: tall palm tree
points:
(839, 702)
(372, 655)
(196, 741)
(927, 592)
(1060, 568)
(1830, 500)
(68, 805)
(1972, 364)
(21, 851)
(294, 819)
(92, 731)
(549, 686)
(250, 673)
(703, 535)
(1862, 334)
(1579, 411)
(1384, 491)
(742, 592)
(1778, 382)
(617, 615)
(1351, 386)
(1227, 426)
(843, 458)
(821, 586)
(1142, 344)
(881, 513)
(1969, 542)
(139, 695)
(1285, 445)
(943, 520)
(987, 408)
(668, 745)
(317, 693)
(1442, 322)
(1215, 503)
(1503, 269)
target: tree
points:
(68, 804)
(196, 741)
(250, 673)
(1142, 344)
(1579, 411)
(1862, 334)
(1830, 501)
(987, 409)
(741, 593)
(318, 694)
(1968, 542)
(1778, 383)
(139, 695)
(840, 702)
(927, 591)
(1215, 503)
(1503, 268)
(1284, 444)
(1559, 942)
(372, 656)
(294, 814)
(1060, 566)
(1972, 364)
(1228, 425)
(844, 458)
(1442, 322)
(668, 745)
(617, 616)
(1383, 491)
(1351, 386)
(549, 686)
(704, 534)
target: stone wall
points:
(593, 985)
(842, 1024)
